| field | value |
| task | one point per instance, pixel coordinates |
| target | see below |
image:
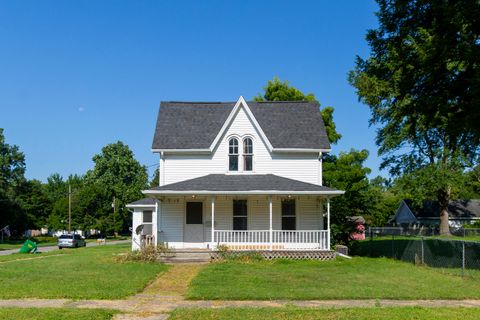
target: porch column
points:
(328, 223)
(213, 223)
(155, 225)
(271, 224)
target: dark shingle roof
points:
(456, 209)
(194, 125)
(143, 202)
(242, 182)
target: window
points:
(247, 154)
(288, 215)
(147, 216)
(194, 213)
(239, 214)
(233, 154)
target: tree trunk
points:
(444, 227)
(443, 200)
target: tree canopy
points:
(276, 90)
(422, 85)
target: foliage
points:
(346, 172)
(122, 178)
(422, 85)
(276, 90)
(12, 170)
(155, 182)
(237, 256)
(148, 253)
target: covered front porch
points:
(299, 228)
(250, 212)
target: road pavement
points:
(51, 248)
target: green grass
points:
(84, 273)
(17, 244)
(330, 314)
(358, 278)
(54, 314)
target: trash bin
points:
(28, 247)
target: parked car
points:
(71, 241)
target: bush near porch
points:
(358, 278)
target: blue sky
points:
(76, 75)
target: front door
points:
(193, 235)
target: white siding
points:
(304, 167)
(136, 221)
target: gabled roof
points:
(456, 209)
(196, 125)
(242, 184)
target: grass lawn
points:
(17, 244)
(84, 273)
(358, 278)
(330, 314)
(54, 314)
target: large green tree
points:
(121, 178)
(12, 170)
(276, 90)
(422, 84)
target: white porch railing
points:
(280, 239)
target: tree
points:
(12, 170)
(422, 85)
(155, 182)
(35, 203)
(347, 172)
(276, 90)
(121, 179)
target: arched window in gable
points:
(233, 154)
(247, 154)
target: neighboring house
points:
(244, 175)
(460, 212)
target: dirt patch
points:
(174, 282)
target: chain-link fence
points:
(454, 255)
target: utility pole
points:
(69, 208)
(114, 209)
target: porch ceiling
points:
(243, 184)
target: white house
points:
(244, 175)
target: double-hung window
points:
(233, 154)
(288, 215)
(240, 215)
(247, 154)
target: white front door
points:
(193, 235)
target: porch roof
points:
(145, 202)
(242, 184)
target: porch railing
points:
(279, 239)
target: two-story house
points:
(243, 174)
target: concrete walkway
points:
(167, 304)
(52, 248)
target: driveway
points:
(51, 248)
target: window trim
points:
(143, 217)
(246, 154)
(233, 154)
(290, 215)
(239, 216)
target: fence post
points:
(463, 258)
(393, 251)
(423, 254)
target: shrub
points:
(148, 253)
(244, 257)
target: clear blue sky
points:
(76, 75)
